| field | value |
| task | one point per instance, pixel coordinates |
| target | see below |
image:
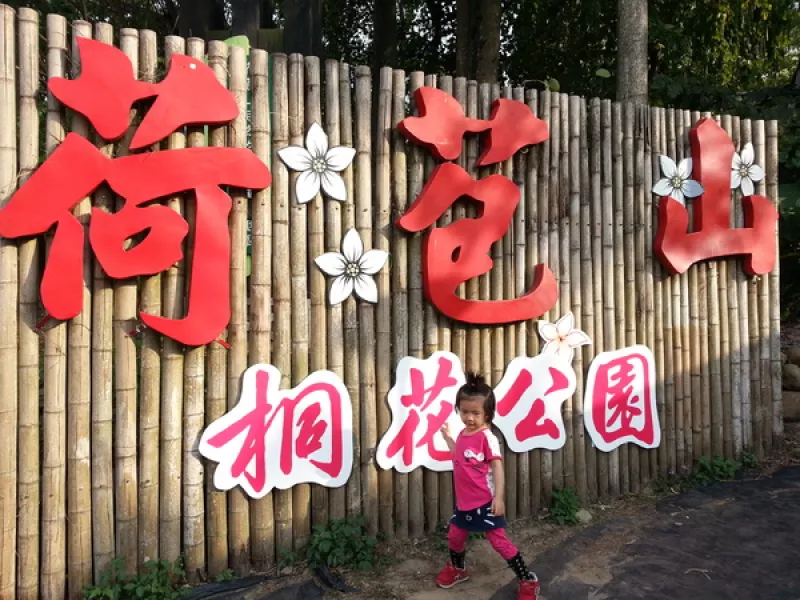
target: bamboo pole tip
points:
(363, 71)
(237, 55)
(313, 61)
(145, 35)
(258, 61)
(217, 48)
(399, 76)
(27, 15)
(196, 47)
(7, 11)
(296, 57)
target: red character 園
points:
(460, 251)
(529, 399)
(713, 237)
(421, 401)
(620, 403)
(278, 439)
(190, 94)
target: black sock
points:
(521, 570)
(458, 559)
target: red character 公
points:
(277, 439)
(713, 237)
(460, 251)
(418, 413)
(620, 403)
(529, 399)
(77, 168)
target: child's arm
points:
(498, 505)
(448, 438)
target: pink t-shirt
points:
(472, 475)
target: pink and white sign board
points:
(277, 438)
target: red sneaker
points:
(528, 590)
(450, 576)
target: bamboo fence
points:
(102, 424)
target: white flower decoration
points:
(677, 183)
(744, 172)
(562, 338)
(319, 164)
(353, 269)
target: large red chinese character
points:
(278, 439)
(421, 401)
(529, 399)
(620, 401)
(713, 237)
(460, 251)
(104, 92)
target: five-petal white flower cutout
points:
(319, 165)
(353, 269)
(561, 338)
(744, 171)
(676, 182)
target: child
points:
(479, 488)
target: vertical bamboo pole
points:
(28, 497)
(350, 305)
(617, 189)
(333, 238)
(762, 291)
(714, 364)
(682, 296)
(416, 314)
(400, 275)
(520, 270)
(238, 505)
(262, 529)
(282, 200)
(366, 311)
(484, 281)
(316, 278)
(600, 193)
(585, 228)
(172, 365)
(298, 224)
(635, 264)
(472, 287)
(577, 469)
(126, 384)
(150, 362)
(459, 334)
(381, 240)
(9, 294)
(194, 418)
(771, 179)
(566, 453)
(53, 530)
(79, 509)
(534, 158)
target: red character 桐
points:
(529, 399)
(77, 168)
(713, 237)
(460, 251)
(277, 439)
(620, 401)
(422, 400)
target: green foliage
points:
(287, 558)
(343, 543)
(707, 471)
(226, 575)
(749, 461)
(565, 506)
(161, 580)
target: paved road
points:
(731, 541)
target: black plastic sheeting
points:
(745, 536)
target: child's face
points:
(472, 414)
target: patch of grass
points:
(707, 471)
(287, 558)
(564, 507)
(343, 543)
(226, 575)
(160, 580)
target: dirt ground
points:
(730, 540)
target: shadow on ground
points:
(730, 540)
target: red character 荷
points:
(620, 401)
(278, 439)
(460, 251)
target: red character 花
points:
(713, 237)
(190, 94)
(529, 399)
(620, 401)
(460, 251)
(278, 439)
(422, 400)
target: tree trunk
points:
(303, 29)
(385, 45)
(487, 54)
(632, 84)
(465, 17)
(246, 19)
